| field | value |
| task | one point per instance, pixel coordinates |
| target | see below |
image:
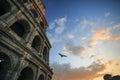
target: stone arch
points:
(41, 77)
(23, 1)
(21, 28)
(45, 53)
(42, 24)
(5, 65)
(4, 7)
(33, 13)
(26, 74)
(36, 43)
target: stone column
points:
(42, 48)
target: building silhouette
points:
(110, 77)
(24, 46)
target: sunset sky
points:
(88, 32)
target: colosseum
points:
(24, 46)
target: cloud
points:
(87, 22)
(117, 26)
(112, 67)
(92, 55)
(107, 14)
(65, 72)
(56, 28)
(100, 59)
(53, 40)
(70, 36)
(72, 48)
(84, 23)
(89, 56)
(96, 69)
(83, 38)
(60, 25)
(102, 35)
(52, 25)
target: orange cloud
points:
(92, 55)
(100, 59)
(95, 71)
(65, 72)
(112, 67)
(102, 35)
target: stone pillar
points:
(30, 38)
(17, 70)
(42, 48)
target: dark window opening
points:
(36, 43)
(33, 13)
(4, 7)
(26, 74)
(4, 65)
(41, 24)
(18, 29)
(21, 28)
(41, 77)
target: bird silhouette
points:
(62, 55)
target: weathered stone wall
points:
(24, 46)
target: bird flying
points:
(62, 55)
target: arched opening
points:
(20, 27)
(41, 77)
(26, 74)
(4, 7)
(42, 25)
(45, 53)
(5, 65)
(33, 13)
(36, 43)
(22, 1)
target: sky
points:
(88, 32)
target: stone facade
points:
(24, 46)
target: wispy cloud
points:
(56, 28)
(89, 56)
(86, 22)
(112, 66)
(102, 35)
(52, 25)
(70, 36)
(107, 14)
(60, 25)
(117, 26)
(82, 25)
(72, 48)
(83, 38)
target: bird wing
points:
(62, 55)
